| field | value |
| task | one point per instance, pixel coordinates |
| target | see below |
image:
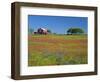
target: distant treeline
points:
(70, 31)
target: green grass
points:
(47, 50)
(61, 36)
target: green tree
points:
(30, 30)
(49, 31)
(75, 31)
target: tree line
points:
(70, 31)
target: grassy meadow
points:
(45, 50)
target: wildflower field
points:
(53, 49)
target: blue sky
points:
(57, 24)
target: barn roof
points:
(43, 29)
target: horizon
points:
(57, 24)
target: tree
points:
(31, 30)
(75, 31)
(49, 31)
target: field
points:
(45, 50)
